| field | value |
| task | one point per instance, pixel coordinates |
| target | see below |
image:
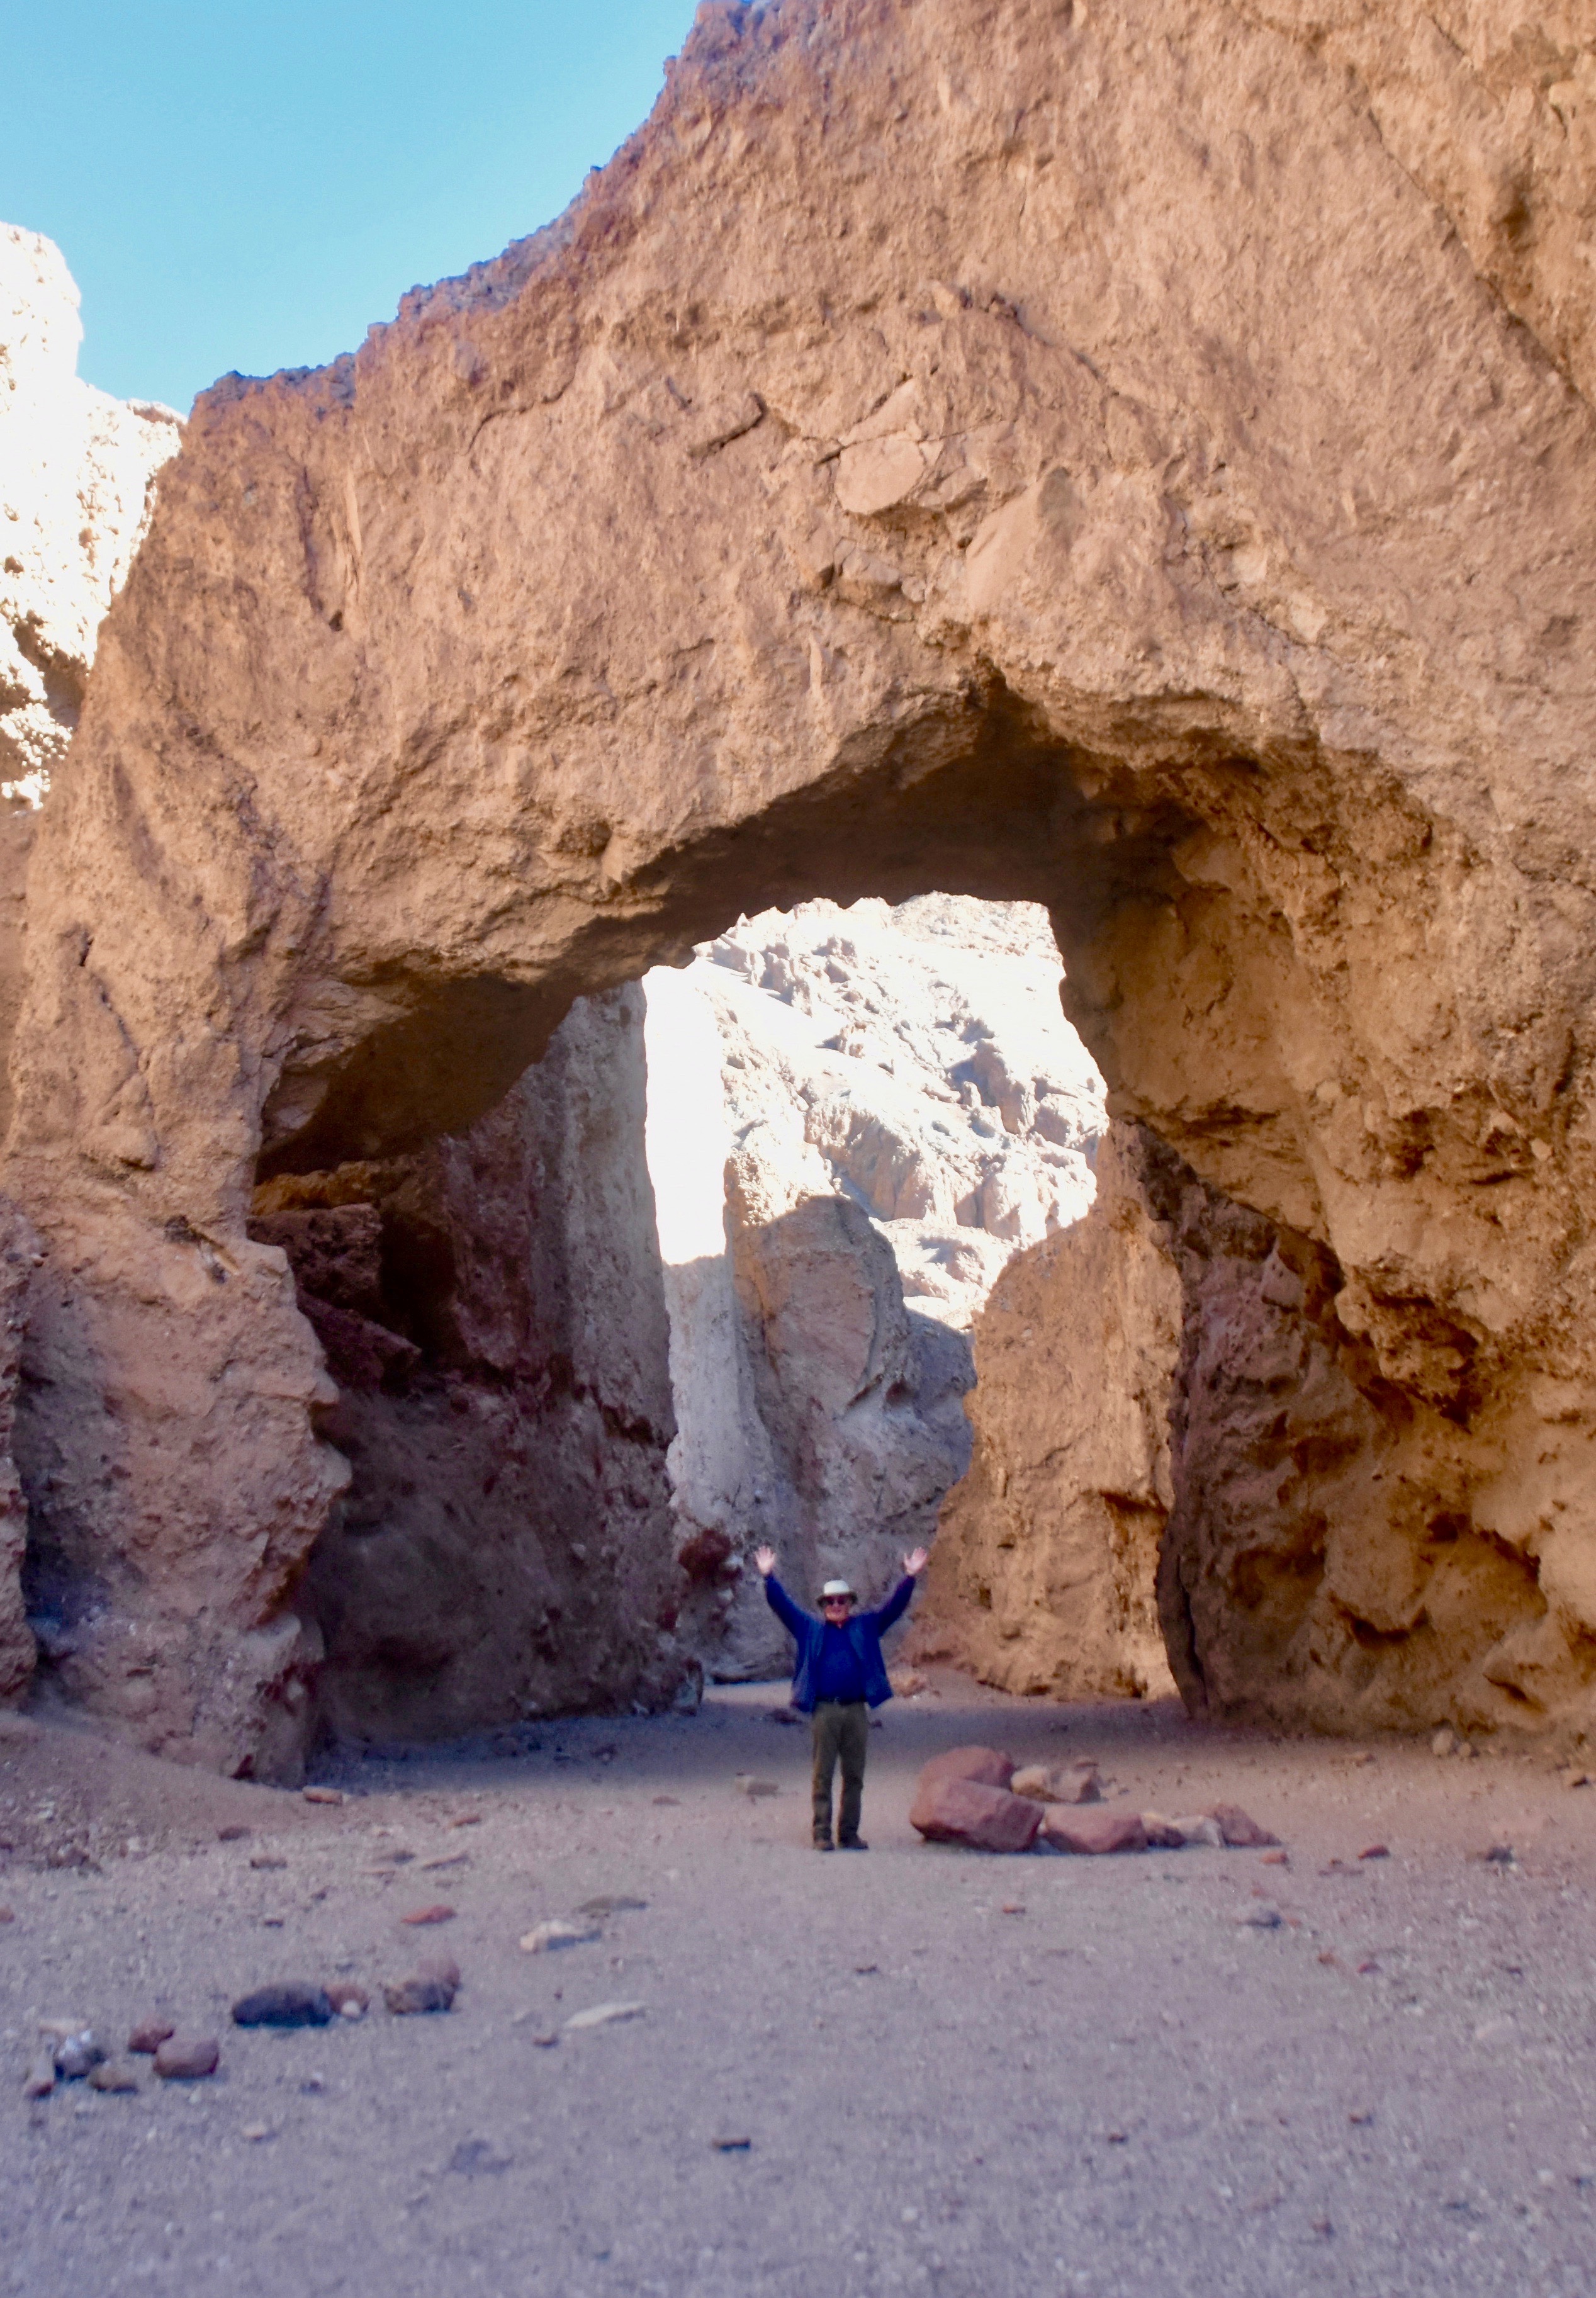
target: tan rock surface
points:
(1044, 1573)
(1053, 455)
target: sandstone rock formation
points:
(76, 473)
(1137, 459)
(873, 1085)
(1044, 1576)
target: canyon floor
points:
(971, 2076)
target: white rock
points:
(76, 469)
(604, 2014)
(542, 1938)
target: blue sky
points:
(249, 187)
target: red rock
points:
(1375, 1851)
(439, 1914)
(1092, 1831)
(987, 1766)
(1240, 1832)
(322, 1795)
(972, 1812)
(149, 2035)
(184, 2058)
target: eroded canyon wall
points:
(1048, 454)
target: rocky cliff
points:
(1138, 459)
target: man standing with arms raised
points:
(838, 1676)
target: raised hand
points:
(914, 1562)
(765, 1558)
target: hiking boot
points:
(853, 1843)
(824, 1843)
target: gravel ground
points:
(964, 2076)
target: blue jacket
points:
(865, 1631)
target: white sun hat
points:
(835, 1588)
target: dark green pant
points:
(841, 1729)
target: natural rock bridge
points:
(1134, 460)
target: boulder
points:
(1239, 1830)
(950, 1809)
(1093, 1831)
(1058, 1784)
(989, 1766)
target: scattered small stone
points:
(675, 1801)
(454, 1859)
(8, 1915)
(41, 2076)
(1275, 1859)
(1375, 1851)
(185, 2058)
(293, 2003)
(113, 2075)
(1444, 1741)
(732, 2146)
(867, 1970)
(545, 2039)
(1366, 1756)
(1013, 1907)
(255, 2132)
(1500, 2029)
(474, 2158)
(432, 1986)
(1197, 1827)
(1117, 2138)
(1362, 2114)
(604, 2014)
(543, 1937)
(76, 2056)
(436, 1914)
(1261, 1919)
(236, 1834)
(1576, 1779)
(747, 1784)
(907, 1683)
(1368, 1966)
(468, 1819)
(1500, 1855)
(61, 2029)
(607, 1905)
(265, 1859)
(1329, 1957)
(349, 2001)
(271, 1922)
(322, 1795)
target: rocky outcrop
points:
(77, 468)
(491, 1312)
(1044, 1576)
(18, 1257)
(1069, 455)
(845, 1107)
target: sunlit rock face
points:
(76, 471)
(856, 1117)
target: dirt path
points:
(977, 2078)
